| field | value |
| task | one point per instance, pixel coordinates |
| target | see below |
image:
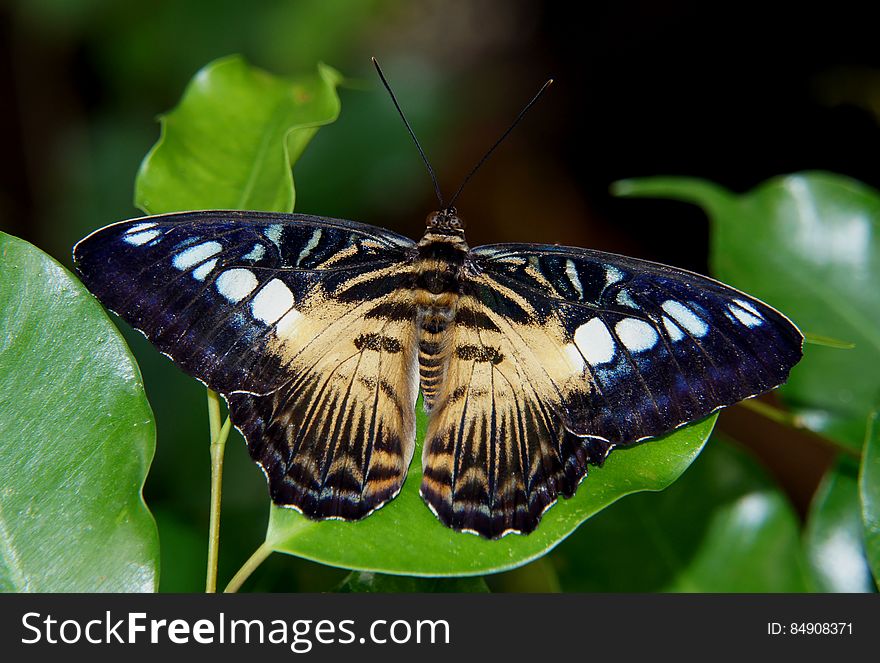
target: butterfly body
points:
(534, 361)
(440, 259)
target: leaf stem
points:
(219, 435)
(796, 422)
(259, 556)
(828, 341)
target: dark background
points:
(734, 93)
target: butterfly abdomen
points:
(437, 272)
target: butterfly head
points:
(445, 221)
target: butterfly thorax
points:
(441, 255)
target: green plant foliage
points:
(536, 577)
(723, 527)
(869, 492)
(834, 535)
(76, 438)
(405, 538)
(809, 245)
(232, 140)
(372, 583)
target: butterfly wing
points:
(570, 353)
(283, 315)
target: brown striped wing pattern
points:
(336, 439)
(497, 452)
(558, 355)
(282, 315)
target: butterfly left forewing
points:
(209, 289)
(288, 317)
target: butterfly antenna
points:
(500, 140)
(411, 133)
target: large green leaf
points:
(869, 489)
(76, 438)
(724, 527)
(404, 537)
(233, 138)
(834, 536)
(809, 245)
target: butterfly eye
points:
(446, 219)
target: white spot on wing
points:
(612, 275)
(636, 335)
(744, 316)
(625, 299)
(138, 227)
(141, 238)
(310, 246)
(595, 341)
(196, 254)
(748, 307)
(571, 272)
(256, 253)
(685, 317)
(672, 329)
(273, 233)
(236, 284)
(272, 301)
(200, 272)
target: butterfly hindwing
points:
(279, 314)
(497, 453)
(337, 438)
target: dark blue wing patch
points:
(208, 288)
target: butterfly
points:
(534, 361)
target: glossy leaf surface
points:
(76, 438)
(232, 140)
(834, 535)
(723, 527)
(404, 537)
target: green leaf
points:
(76, 438)
(233, 138)
(723, 527)
(404, 537)
(809, 245)
(834, 533)
(374, 583)
(869, 489)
